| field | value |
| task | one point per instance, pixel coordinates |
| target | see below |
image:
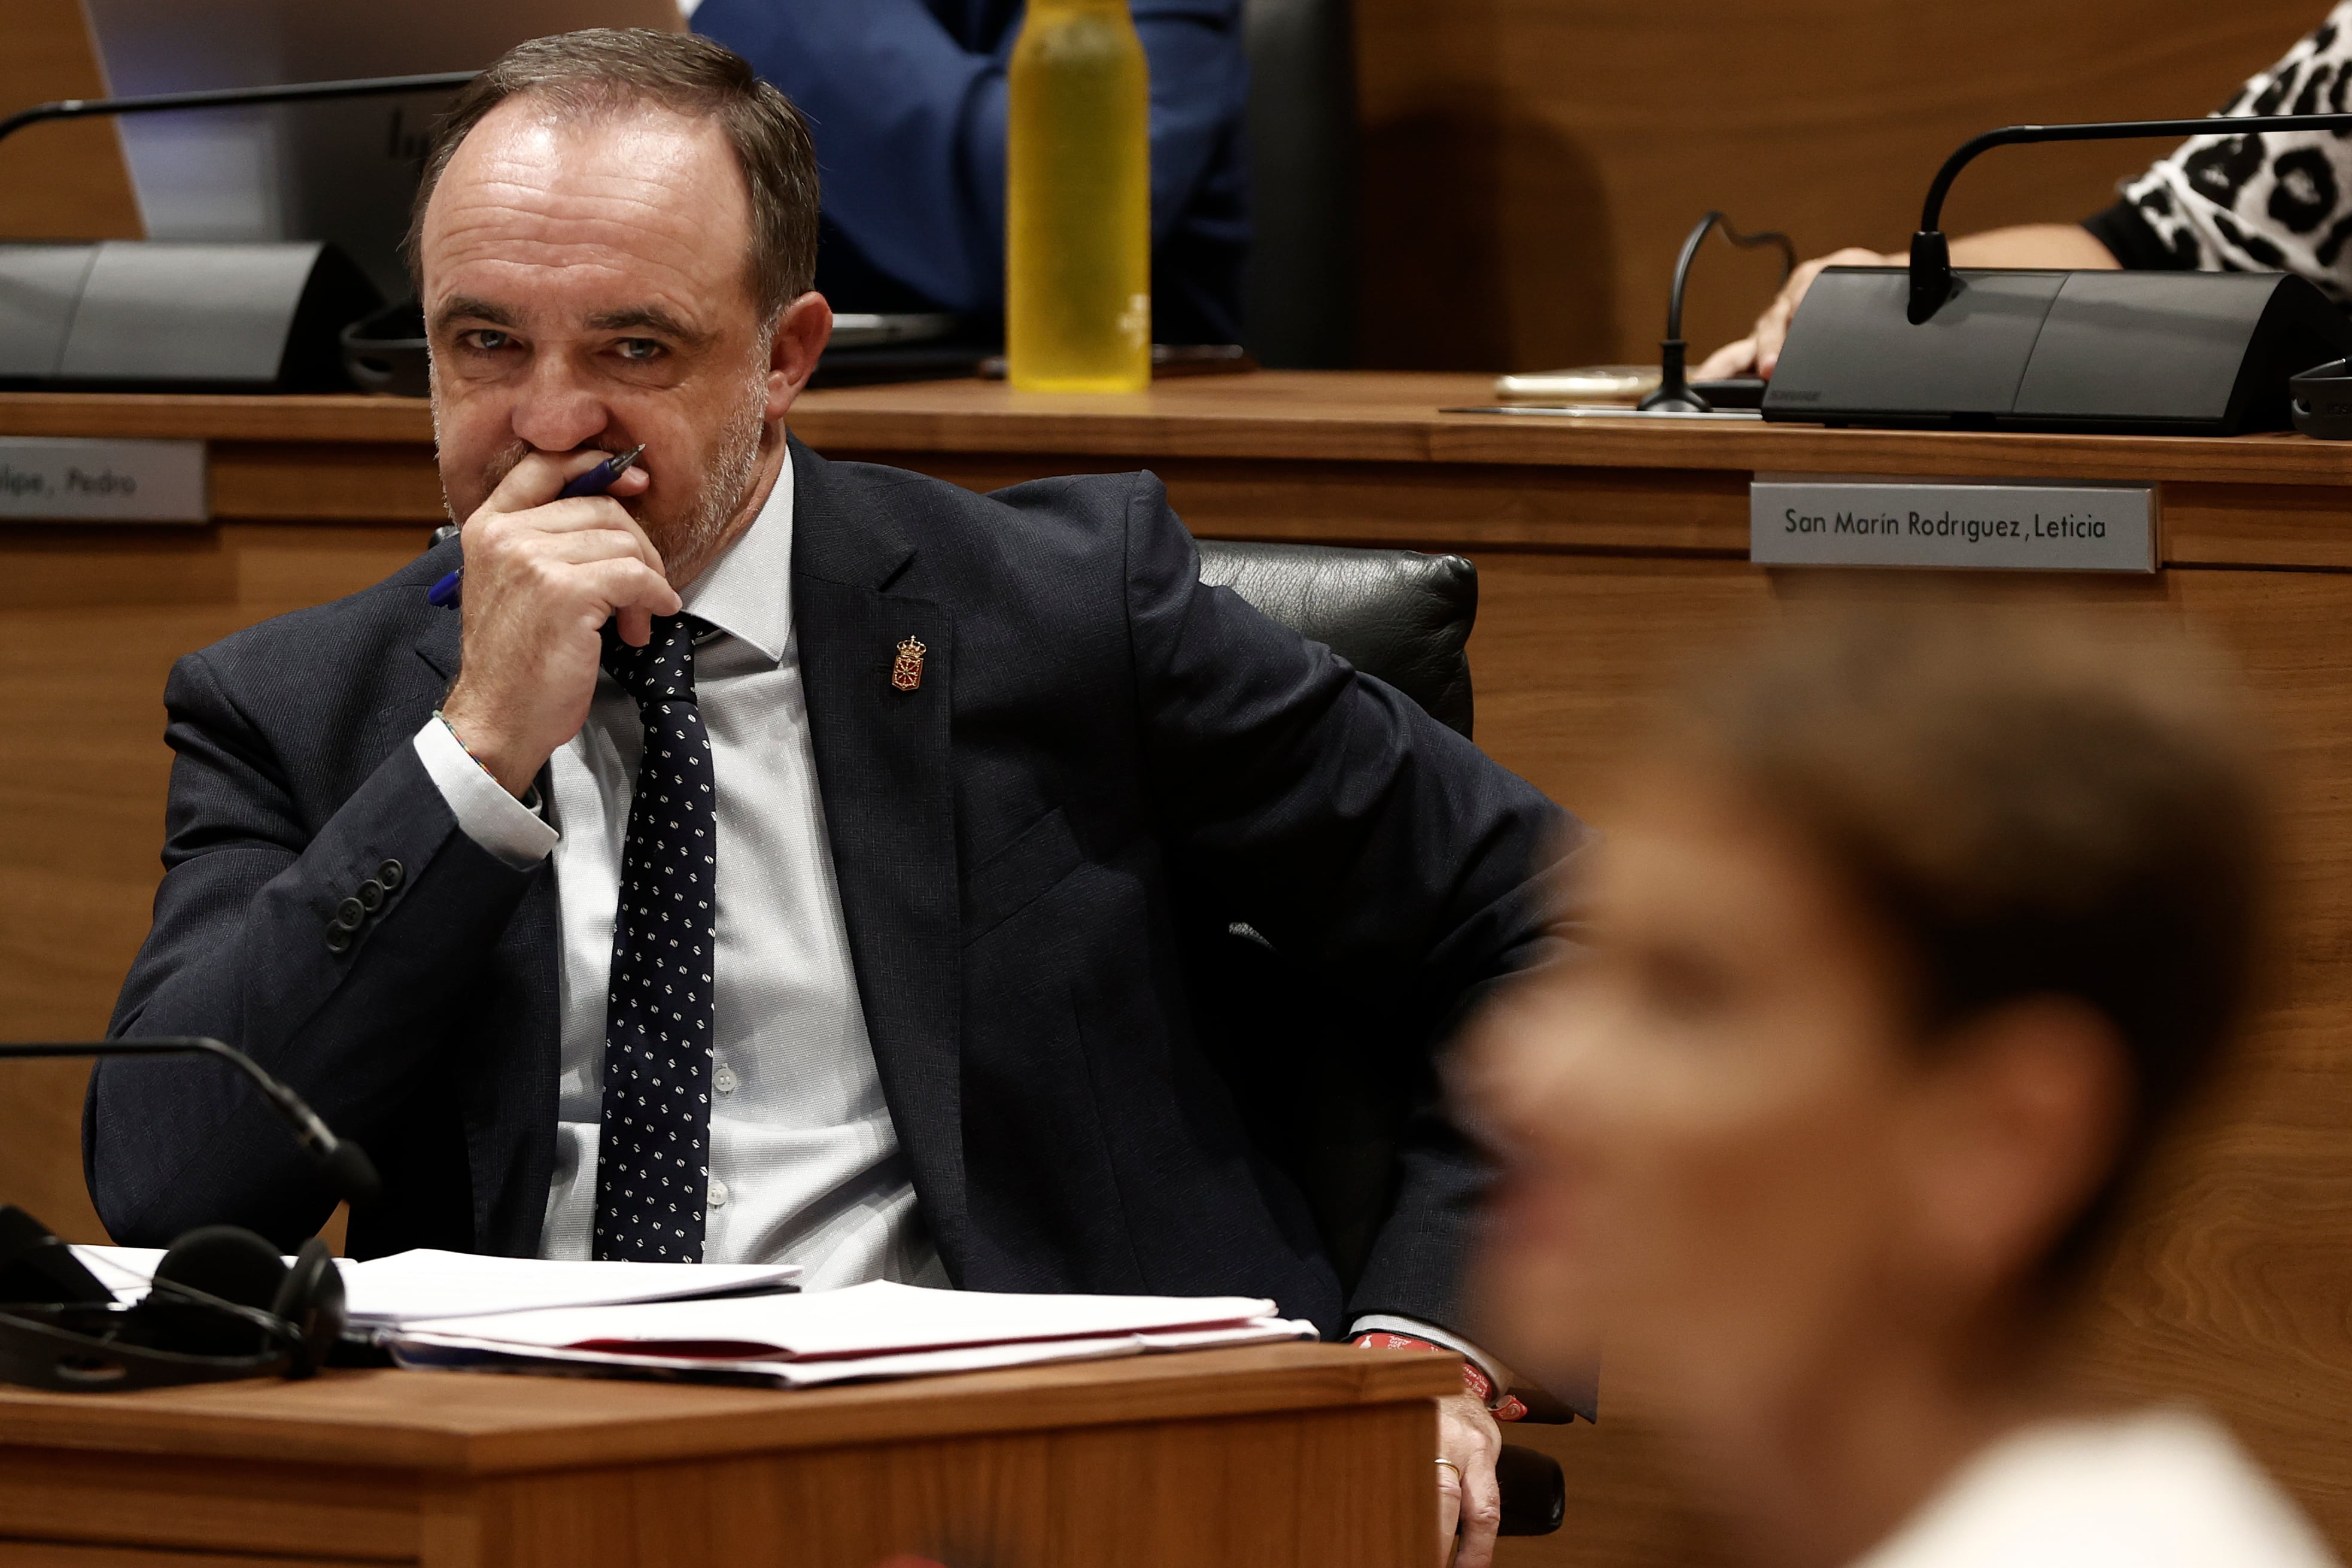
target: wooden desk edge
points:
(481, 1423)
(216, 416)
(1316, 417)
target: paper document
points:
(872, 1319)
(429, 1349)
(425, 1284)
(125, 1270)
(463, 1311)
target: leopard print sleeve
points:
(2279, 202)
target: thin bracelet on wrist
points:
(529, 797)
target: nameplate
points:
(1809, 519)
(67, 479)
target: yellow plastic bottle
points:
(1077, 243)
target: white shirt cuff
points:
(490, 816)
(1383, 1322)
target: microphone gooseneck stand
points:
(1932, 280)
(345, 1163)
(1675, 394)
(230, 97)
(223, 1303)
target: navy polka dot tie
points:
(653, 1166)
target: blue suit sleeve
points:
(1200, 88)
(237, 951)
(910, 126)
(894, 102)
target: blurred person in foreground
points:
(1912, 941)
(2278, 202)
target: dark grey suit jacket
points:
(1104, 760)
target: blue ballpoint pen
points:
(595, 482)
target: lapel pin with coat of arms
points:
(906, 673)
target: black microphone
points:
(231, 96)
(1932, 282)
(1675, 394)
(346, 1164)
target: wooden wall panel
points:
(96, 618)
(1530, 166)
(60, 181)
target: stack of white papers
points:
(873, 1331)
(425, 1285)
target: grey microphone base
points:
(2190, 353)
(165, 315)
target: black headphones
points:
(224, 1305)
(2322, 401)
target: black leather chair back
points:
(1398, 614)
(1300, 305)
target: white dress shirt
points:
(805, 1161)
(2155, 1488)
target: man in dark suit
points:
(773, 857)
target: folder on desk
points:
(879, 1330)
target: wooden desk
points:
(1609, 555)
(1275, 1455)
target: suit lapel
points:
(882, 756)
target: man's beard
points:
(725, 486)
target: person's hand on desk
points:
(542, 576)
(1469, 1502)
(2026, 245)
(1759, 350)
